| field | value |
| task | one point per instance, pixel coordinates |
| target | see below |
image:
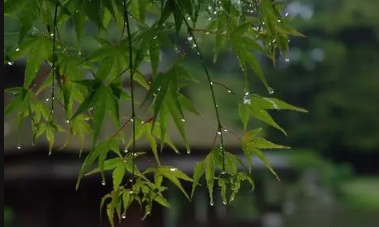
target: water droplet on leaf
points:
(123, 216)
(17, 49)
(125, 150)
(188, 151)
(287, 60)
(224, 202)
(189, 38)
(19, 146)
(103, 183)
(270, 91)
(183, 120)
(229, 91)
(173, 169)
(219, 132)
(211, 203)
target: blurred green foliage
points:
(334, 74)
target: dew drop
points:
(103, 183)
(210, 18)
(173, 169)
(246, 100)
(131, 192)
(287, 60)
(142, 122)
(52, 35)
(279, 21)
(67, 121)
(189, 38)
(219, 132)
(47, 99)
(225, 130)
(155, 37)
(80, 52)
(131, 181)
(131, 120)
(270, 91)
(224, 202)
(19, 146)
(286, 14)
(10, 63)
(188, 18)
(183, 120)
(123, 216)
(207, 33)
(229, 91)
(210, 7)
(211, 83)
(126, 150)
(17, 49)
(212, 203)
(194, 45)
(188, 151)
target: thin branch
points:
(210, 82)
(224, 86)
(122, 128)
(126, 18)
(54, 58)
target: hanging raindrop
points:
(225, 130)
(123, 216)
(126, 150)
(183, 120)
(229, 91)
(188, 151)
(67, 121)
(19, 146)
(287, 60)
(189, 38)
(270, 91)
(219, 132)
(173, 169)
(224, 202)
(212, 203)
(103, 183)
(10, 63)
(17, 49)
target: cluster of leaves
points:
(87, 101)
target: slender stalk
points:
(54, 58)
(126, 18)
(210, 82)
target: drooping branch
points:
(131, 69)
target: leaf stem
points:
(54, 59)
(210, 82)
(126, 18)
